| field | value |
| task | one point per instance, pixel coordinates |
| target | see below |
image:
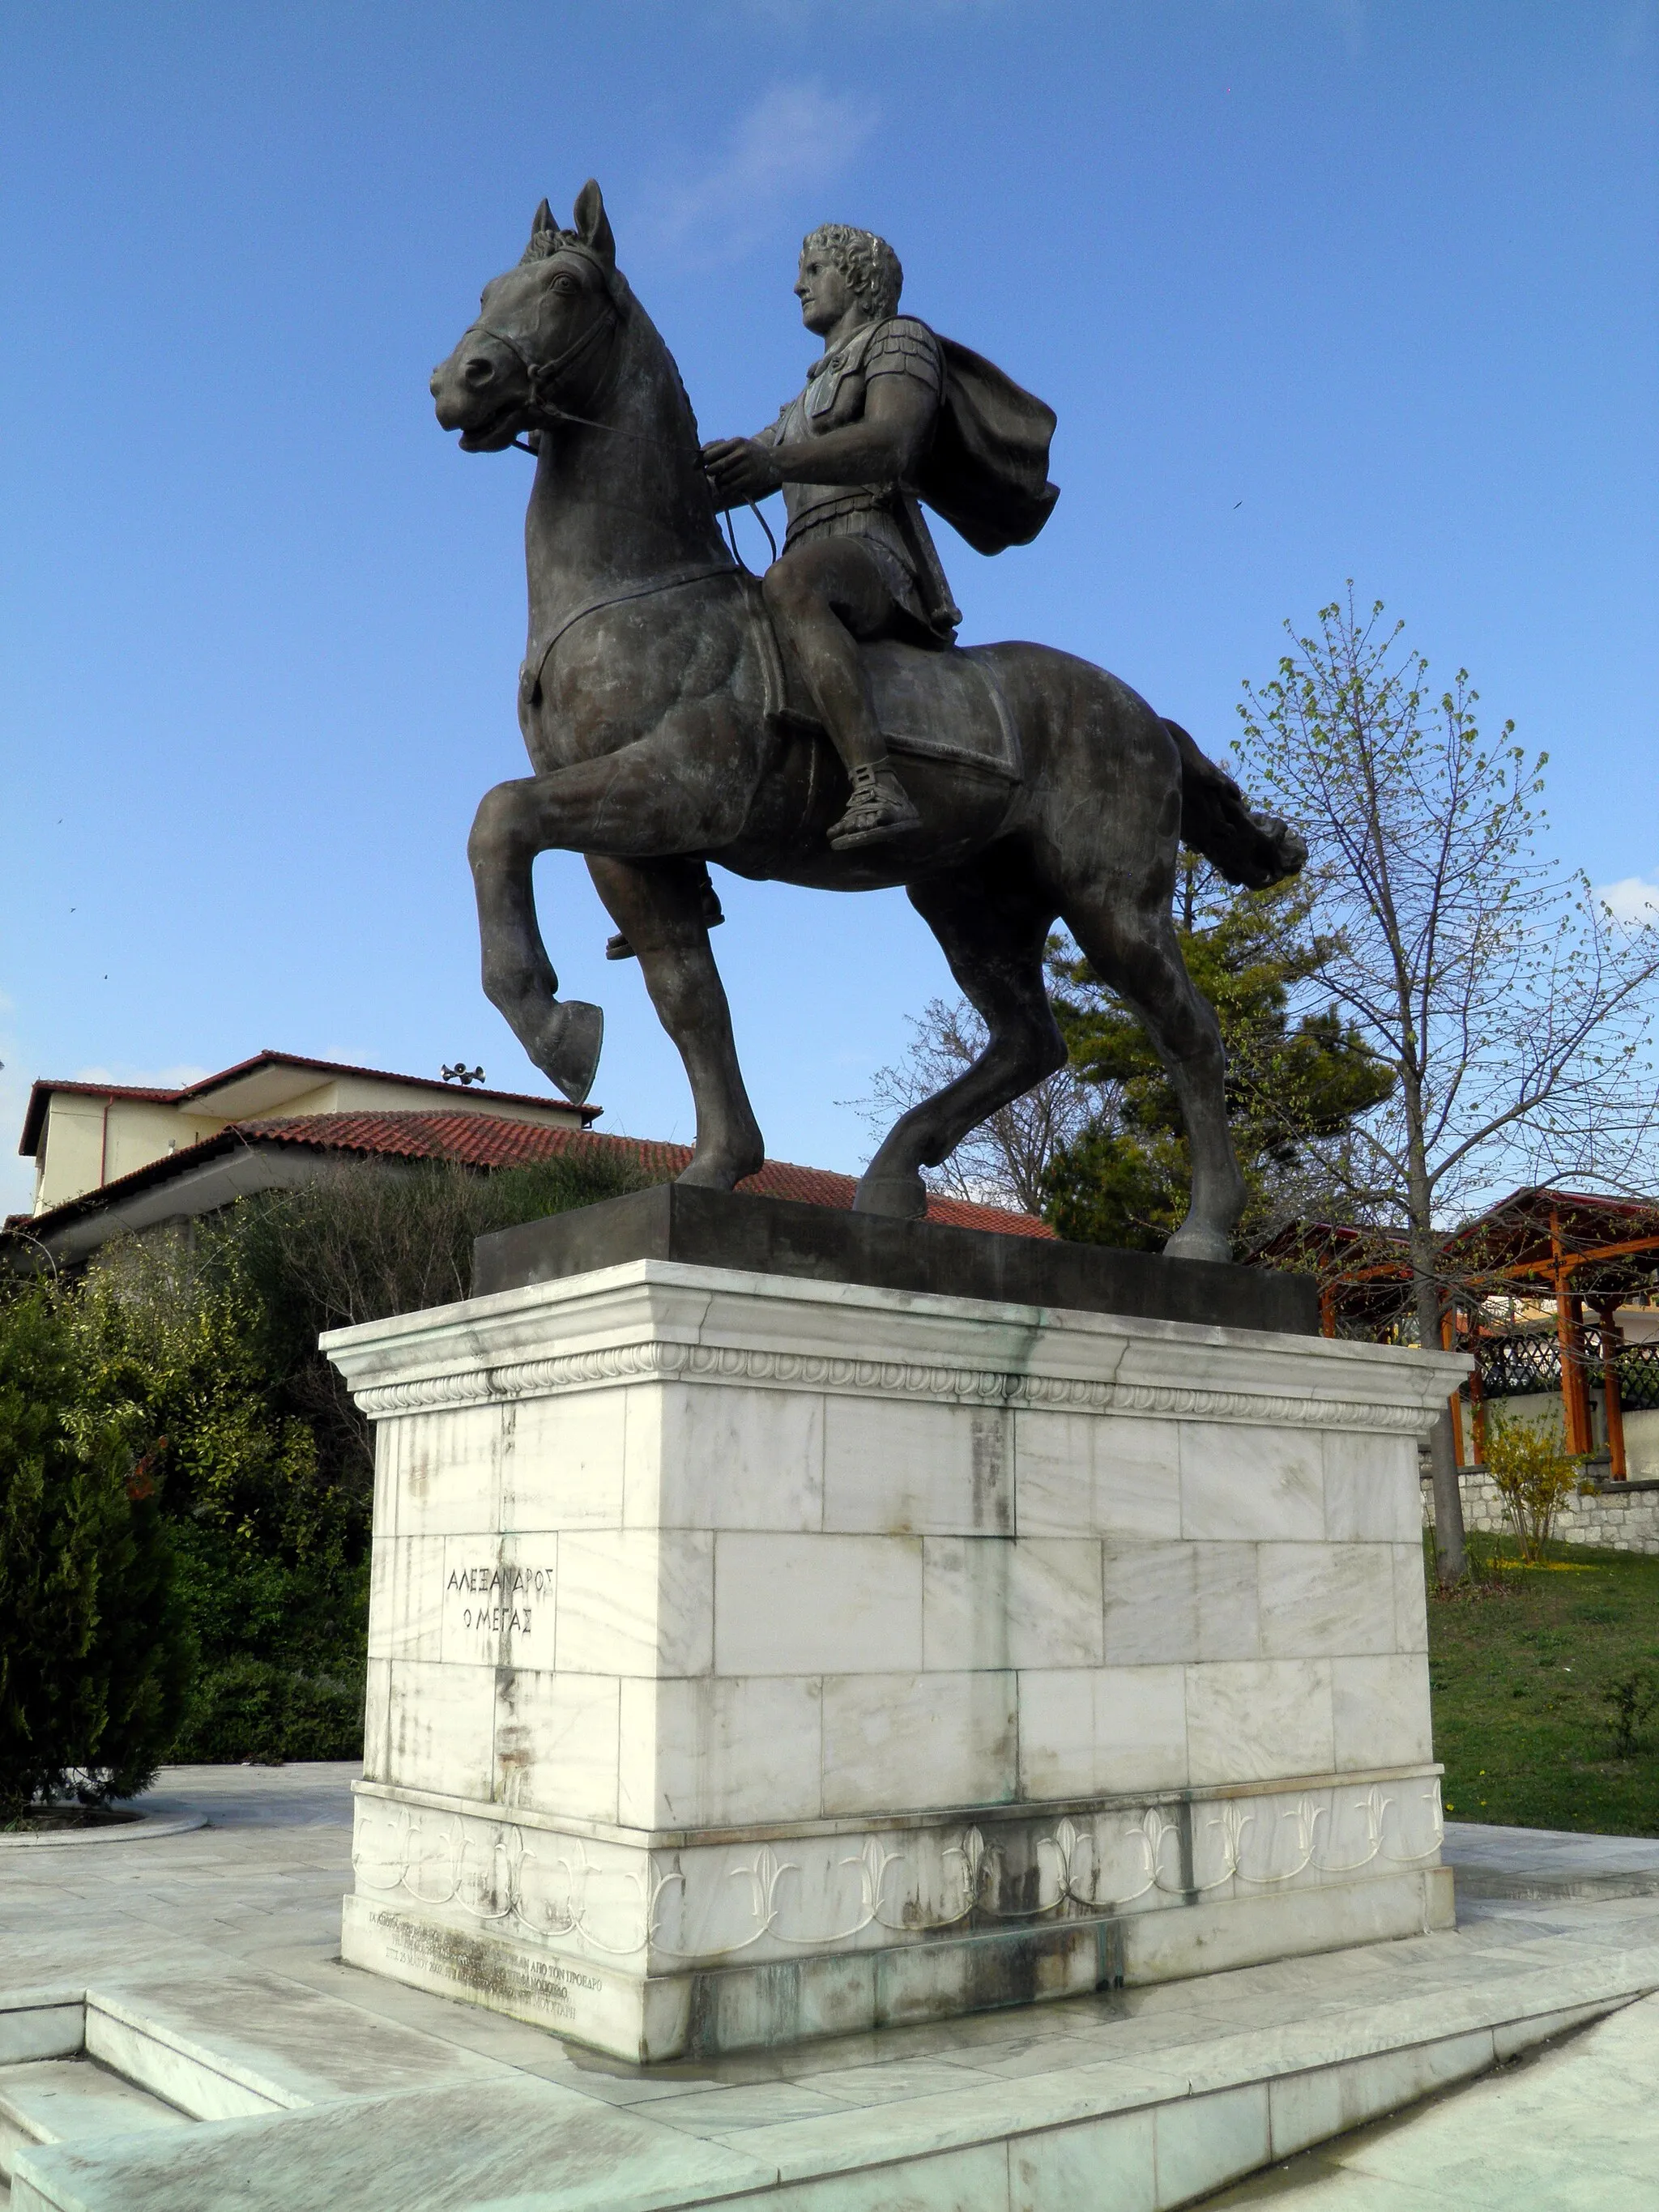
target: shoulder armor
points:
(905, 346)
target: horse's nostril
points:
(479, 372)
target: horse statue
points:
(666, 731)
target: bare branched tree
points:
(1513, 1007)
(1001, 1162)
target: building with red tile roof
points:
(83, 1136)
(267, 1151)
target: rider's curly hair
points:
(868, 263)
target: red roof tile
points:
(41, 1091)
(486, 1140)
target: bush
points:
(1534, 1477)
(197, 1348)
(1631, 1699)
(95, 1654)
(256, 1708)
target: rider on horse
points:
(850, 454)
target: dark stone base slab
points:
(821, 1243)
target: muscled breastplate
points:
(885, 516)
(832, 395)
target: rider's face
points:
(825, 294)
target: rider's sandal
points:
(879, 808)
(618, 948)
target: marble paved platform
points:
(204, 1967)
(1571, 2128)
(1545, 1863)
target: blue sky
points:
(1320, 289)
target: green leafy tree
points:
(171, 1340)
(95, 1652)
(1297, 1076)
(1510, 1007)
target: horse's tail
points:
(1247, 848)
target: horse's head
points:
(545, 328)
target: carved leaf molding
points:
(655, 1360)
(501, 1878)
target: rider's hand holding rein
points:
(739, 470)
(880, 446)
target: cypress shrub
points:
(96, 1653)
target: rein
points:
(540, 374)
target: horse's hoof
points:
(569, 1054)
(1192, 1242)
(714, 1174)
(901, 1198)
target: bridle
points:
(540, 376)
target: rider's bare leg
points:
(826, 594)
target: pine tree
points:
(1297, 1076)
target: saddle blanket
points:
(945, 705)
(942, 704)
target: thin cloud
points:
(794, 135)
(1632, 898)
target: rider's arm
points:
(734, 490)
(882, 446)
(904, 377)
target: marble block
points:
(753, 1656)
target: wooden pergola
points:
(1364, 1275)
(1572, 1248)
(1578, 1249)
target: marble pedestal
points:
(753, 1658)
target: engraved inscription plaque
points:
(497, 1603)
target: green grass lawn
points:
(1518, 1669)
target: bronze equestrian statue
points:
(678, 711)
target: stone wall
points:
(1617, 1517)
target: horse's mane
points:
(544, 243)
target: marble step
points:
(1154, 2127)
(220, 2040)
(73, 2100)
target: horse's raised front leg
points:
(561, 1036)
(658, 906)
(992, 921)
(651, 800)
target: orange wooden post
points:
(1569, 1369)
(1569, 1310)
(1605, 1310)
(1448, 1343)
(1327, 1311)
(1477, 1404)
(1580, 1383)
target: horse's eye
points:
(564, 284)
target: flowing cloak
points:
(986, 469)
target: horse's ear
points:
(594, 225)
(542, 222)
